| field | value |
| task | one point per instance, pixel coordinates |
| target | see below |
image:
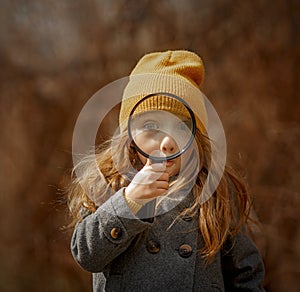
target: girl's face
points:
(160, 133)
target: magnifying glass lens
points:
(159, 132)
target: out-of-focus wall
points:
(55, 54)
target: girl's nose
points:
(167, 145)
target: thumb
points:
(148, 162)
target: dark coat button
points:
(153, 246)
(116, 233)
(185, 250)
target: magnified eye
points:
(151, 125)
(185, 125)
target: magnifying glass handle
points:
(147, 211)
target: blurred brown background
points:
(55, 54)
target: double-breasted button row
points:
(184, 250)
(116, 232)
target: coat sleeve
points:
(105, 234)
(242, 265)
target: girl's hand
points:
(150, 182)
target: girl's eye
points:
(185, 126)
(150, 125)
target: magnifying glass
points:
(161, 127)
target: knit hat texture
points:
(178, 72)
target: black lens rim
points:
(173, 156)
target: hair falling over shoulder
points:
(222, 215)
(227, 210)
(95, 177)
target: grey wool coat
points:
(164, 259)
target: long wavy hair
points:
(115, 163)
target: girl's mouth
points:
(169, 162)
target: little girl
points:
(197, 244)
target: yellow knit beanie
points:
(177, 72)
